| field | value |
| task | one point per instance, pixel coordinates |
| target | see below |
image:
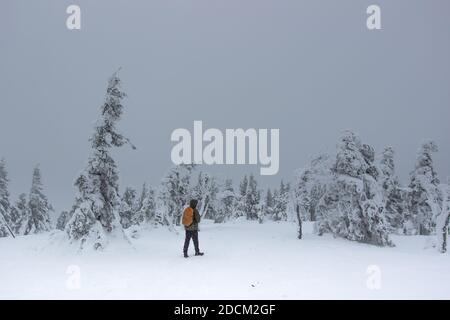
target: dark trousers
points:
(194, 235)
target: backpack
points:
(188, 217)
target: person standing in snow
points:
(191, 219)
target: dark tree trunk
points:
(300, 231)
(313, 214)
(445, 234)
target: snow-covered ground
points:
(243, 260)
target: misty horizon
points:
(309, 71)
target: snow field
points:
(243, 260)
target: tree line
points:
(348, 194)
(30, 213)
(351, 195)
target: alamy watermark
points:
(373, 21)
(373, 281)
(73, 21)
(235, 146)
(73, 281)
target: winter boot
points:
(199, 253)
(186, 255)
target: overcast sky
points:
(310, 68)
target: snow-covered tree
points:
(268, 205)
(243, 185)
(5, 207)
(226, 202)
(62, 220)
(174, 195)
(146, 206)
(206, 193)
(310, 186)
(252, 199)
(425, 198)
(353, 206)
(241, 200)
(301, 196)
(20, 214)
(280, 202)
(128, 207)
(393, 193)
(443, 219)
(14, 220)
(260, 208)
(248, 199)
(349, 159)
(38, 219)
(96, 209)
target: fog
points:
(309, 68)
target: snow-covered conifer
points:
(128, 207)
(310, 186)
(260, 208)
(174, 195)
(38, 219)
(20, 214)
(226, 202)
(96, 209)
(62, 220)
(146, 206)
(5, 207)
(281, 199)
(241, 201)
(443, 219)
(268, 204)
(14, 220)
(252, 199)
(353, 206)
(243, 185)
(206, 193)
(393, 193)
(425, 198)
